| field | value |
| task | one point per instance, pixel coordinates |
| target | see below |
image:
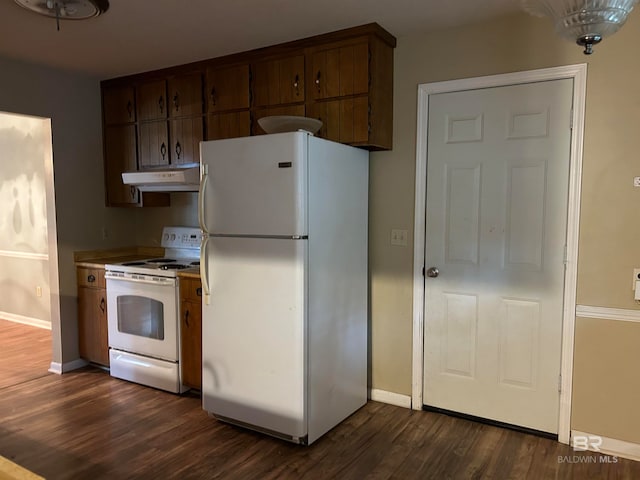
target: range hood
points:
(183, 179)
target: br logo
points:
(586, 442)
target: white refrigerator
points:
(284, 273)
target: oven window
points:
(140, 316)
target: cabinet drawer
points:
(91, 277)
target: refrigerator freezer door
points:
(255, 185)
(254, 333)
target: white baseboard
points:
(391, 398)
(612, 446)
(34, 322)
(60, 368)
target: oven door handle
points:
(169, 282)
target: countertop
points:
(99, 258)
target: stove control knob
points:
(173, 236)
(166, 236)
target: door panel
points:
(497, 189)
(256, 185)
(253, 332)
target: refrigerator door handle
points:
(201, 202)
(204, 271)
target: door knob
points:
(433, 272)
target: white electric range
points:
(143, 312)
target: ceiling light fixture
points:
(586, 22)
(66, 9)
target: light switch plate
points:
(399, 237)
(636, 181)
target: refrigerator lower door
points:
(254, 334)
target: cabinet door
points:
(118, 105)
(186, 135)
(93, 342)
(185, 95)
(345, 120)
(152, 100)
(277, 82)
(296, 110)
(153, 144)
(227, 88)
(340, 71)
(120, 156)
(191, 344)
(228, 125)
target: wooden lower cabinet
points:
(191, 332)
(93, 336)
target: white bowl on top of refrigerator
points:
(289, 123)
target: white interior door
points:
(496, 219)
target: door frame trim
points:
(578, 73)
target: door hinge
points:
(560, 383)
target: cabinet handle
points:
(176, 102)
(132, 192)
(91, 278)
(102, 305)
(178, 150)
(318, 81)
(129, 109)
(161, 103)
(199, 291)
(296, 84)
(213, 96)
(186, 317)
(163, 150)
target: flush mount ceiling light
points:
(586, 22)
(66, 9)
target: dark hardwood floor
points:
(87, 425)
(25, 353)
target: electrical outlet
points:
(399, 237)
(636, 277)
(38, 291)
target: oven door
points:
(142, 315)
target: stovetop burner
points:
(195, 264)
(161, 260)
(134, 264)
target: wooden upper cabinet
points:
(228, 125)
(186, 134)
(227, 88)
(153, 144)
(278, 82)
(345, 120)
(185, 95)
(152, 100)
(120, 156)
(118, 105)
(339, 71)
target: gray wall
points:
(72, 102)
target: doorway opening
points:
(29, 305)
